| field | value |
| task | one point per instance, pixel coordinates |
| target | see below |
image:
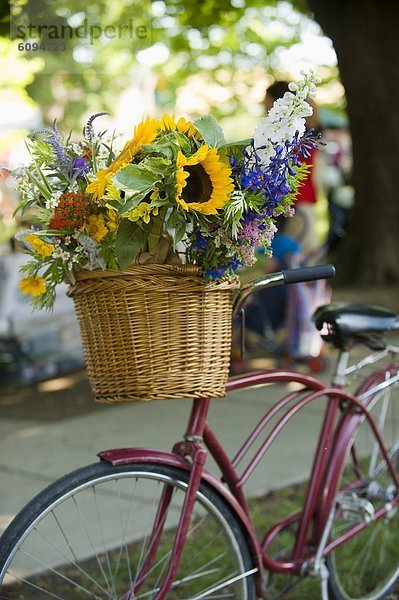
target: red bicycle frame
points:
(342, 416)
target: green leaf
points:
(236, 145)
(179, 140)
(130, 241)
(130, 202)
(177, 223)
(159, 149)
(137, 179)
(210, 130)
(156, 164)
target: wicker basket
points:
(154, 332)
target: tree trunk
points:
(365, 38)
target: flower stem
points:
(156, 230)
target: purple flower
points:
(80, 166)
(88, 129)
(250, 232)
(55, 141)
(271, 180)
(214, 272)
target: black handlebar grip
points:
(309, 273)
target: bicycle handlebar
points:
(308, 273)
(287, 276)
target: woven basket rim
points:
(178, 275)
(151, 269)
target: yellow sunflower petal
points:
(187, 127)
(200, 156)
(168, 123)
(181, 176)
(181, 159)
(183, 203)
(39, 246)
(98, 185)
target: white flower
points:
(62, 254)
(53, 201)
(285, 118)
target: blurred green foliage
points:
(231, 43)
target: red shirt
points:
(307, 191)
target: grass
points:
(265, 512)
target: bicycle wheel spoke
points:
(105, 531)
(59, 574)
(74, 562)
(37, 587)
(153, 534)
(124, 550)
(111, 582)
(211, 590)
(92, 545)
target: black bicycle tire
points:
(40, 503)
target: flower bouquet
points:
(177, 205)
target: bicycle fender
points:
(128, 456)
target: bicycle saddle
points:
(348, 323)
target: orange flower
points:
(72, 211)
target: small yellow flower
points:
(39, 246)
(143, 211)
(154, 194)
(34, 285)
(112, 222)
(96, 228)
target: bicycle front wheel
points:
(88, 536)
(366, 566)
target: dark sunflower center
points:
(198, 186)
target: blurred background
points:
(67, 60)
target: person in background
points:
(302, 226)
(266, 311)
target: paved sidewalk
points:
(34, 452)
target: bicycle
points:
(142, 523)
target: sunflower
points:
(168, 123)
(203, 181)
(144, 133)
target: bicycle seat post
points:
(339, 378)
